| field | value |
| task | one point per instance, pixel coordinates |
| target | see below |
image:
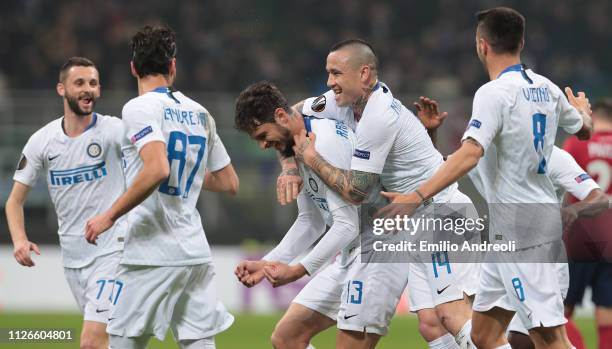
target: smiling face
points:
(80, 89)
(344, 77)
(272, 135)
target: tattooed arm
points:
(354, 186)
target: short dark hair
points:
(349, 42)
(152, 50)
(256, 105)
(74, 62)
(603, 107)
(370, 58)
(503, 28)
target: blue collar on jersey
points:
(517, 67)
(167, 91)
(307, 124)
(94, 119)
(379, 85)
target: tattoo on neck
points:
(299, 106)
(361, 102)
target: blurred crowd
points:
(424, 47)
(223, 45)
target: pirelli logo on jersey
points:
(78, 175)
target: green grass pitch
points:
(248, 332)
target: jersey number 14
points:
(178, 145)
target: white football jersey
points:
(563, 170)
(335, 142)
(391, 141)
(519, 112)
(568, 176)
(84, 176)
(166, 229)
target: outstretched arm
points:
(154, 171)
(456, 166)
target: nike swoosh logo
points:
(101, 311)
(51, 158)
(442, 290)
(350, 316)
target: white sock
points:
(445, 342)
(463, 338)
(310, 346)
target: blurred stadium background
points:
(425, 48)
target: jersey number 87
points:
(172, 185)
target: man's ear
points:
(281, 116)
(60, 89)
(366, 73)
(484, 46)
(133, 69)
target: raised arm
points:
(582, 104)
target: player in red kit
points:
(588, 241)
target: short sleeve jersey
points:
(166, 229)
(85, 175)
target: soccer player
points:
(263, 113)
(519, 111)
(588, 239)
(80, 155)
(175, 150)
(392, 147)
(563, 172)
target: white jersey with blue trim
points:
(319, 205)
(391, 141)
(519, 112)
(84, 176)
(563, 170)
(166, 229)
(335, 142)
